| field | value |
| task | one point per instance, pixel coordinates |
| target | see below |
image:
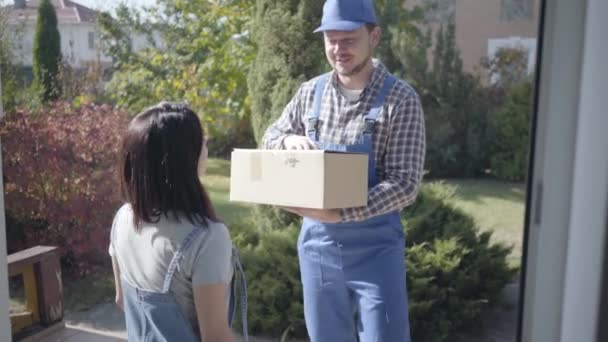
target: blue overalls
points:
(156, 316)
(353, 273)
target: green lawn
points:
(217, 183)
(17, 298)
(496, 206)
(79, 294)
(82, 294)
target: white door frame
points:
(568, 189)
(5, 325)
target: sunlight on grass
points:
(16, 294)
(217, 183)
(78, 294)
(82, 294)
(496, 206)
(16, 306)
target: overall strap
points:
(372, 116)
(313, 116)
(239, 282)
(177, 256)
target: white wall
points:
(74, 44)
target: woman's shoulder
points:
(125, 210)
(214, 239)
(217, 231)
(123, 215)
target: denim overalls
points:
(353, 273)
(156, 316)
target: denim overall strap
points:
(370, 121)
(368, 129)
(177, 257)
(372, 116)
(313, 116)
(239, 282)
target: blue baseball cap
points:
(346, 15)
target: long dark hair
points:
(160, 157)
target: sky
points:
(103, 4)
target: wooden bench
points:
(41, 271)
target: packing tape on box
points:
(256, 166)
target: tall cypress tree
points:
(392, 21)
(47, 52)
(456, 113)
(288, 53)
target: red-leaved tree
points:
(60, 171)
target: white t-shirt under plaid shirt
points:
(398, 140)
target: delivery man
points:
(352, 259)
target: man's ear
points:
(376, 33)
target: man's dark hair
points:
(160, 155)
(370, 27)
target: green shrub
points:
(288, 53)
(270, 217)
(271, 265)
(239, 135)
(454, 273)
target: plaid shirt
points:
(398, 139)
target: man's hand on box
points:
(321, 215)
(298, 142)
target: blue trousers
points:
(353, 277)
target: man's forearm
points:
(273, 140)
(385, 197)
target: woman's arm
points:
(117, 285)
(212, 312)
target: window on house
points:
(511, 10)
(91, 40)
(511, 59)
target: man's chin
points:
(344, 72)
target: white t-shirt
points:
(143, 257)
(352, 95)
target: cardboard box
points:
(299, 178)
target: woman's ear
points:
(202, 160)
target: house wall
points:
(75, 47)
(482, 26)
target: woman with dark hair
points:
(173, 260)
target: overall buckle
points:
(312, 125)
(369, 125)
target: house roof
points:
(67, 11)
